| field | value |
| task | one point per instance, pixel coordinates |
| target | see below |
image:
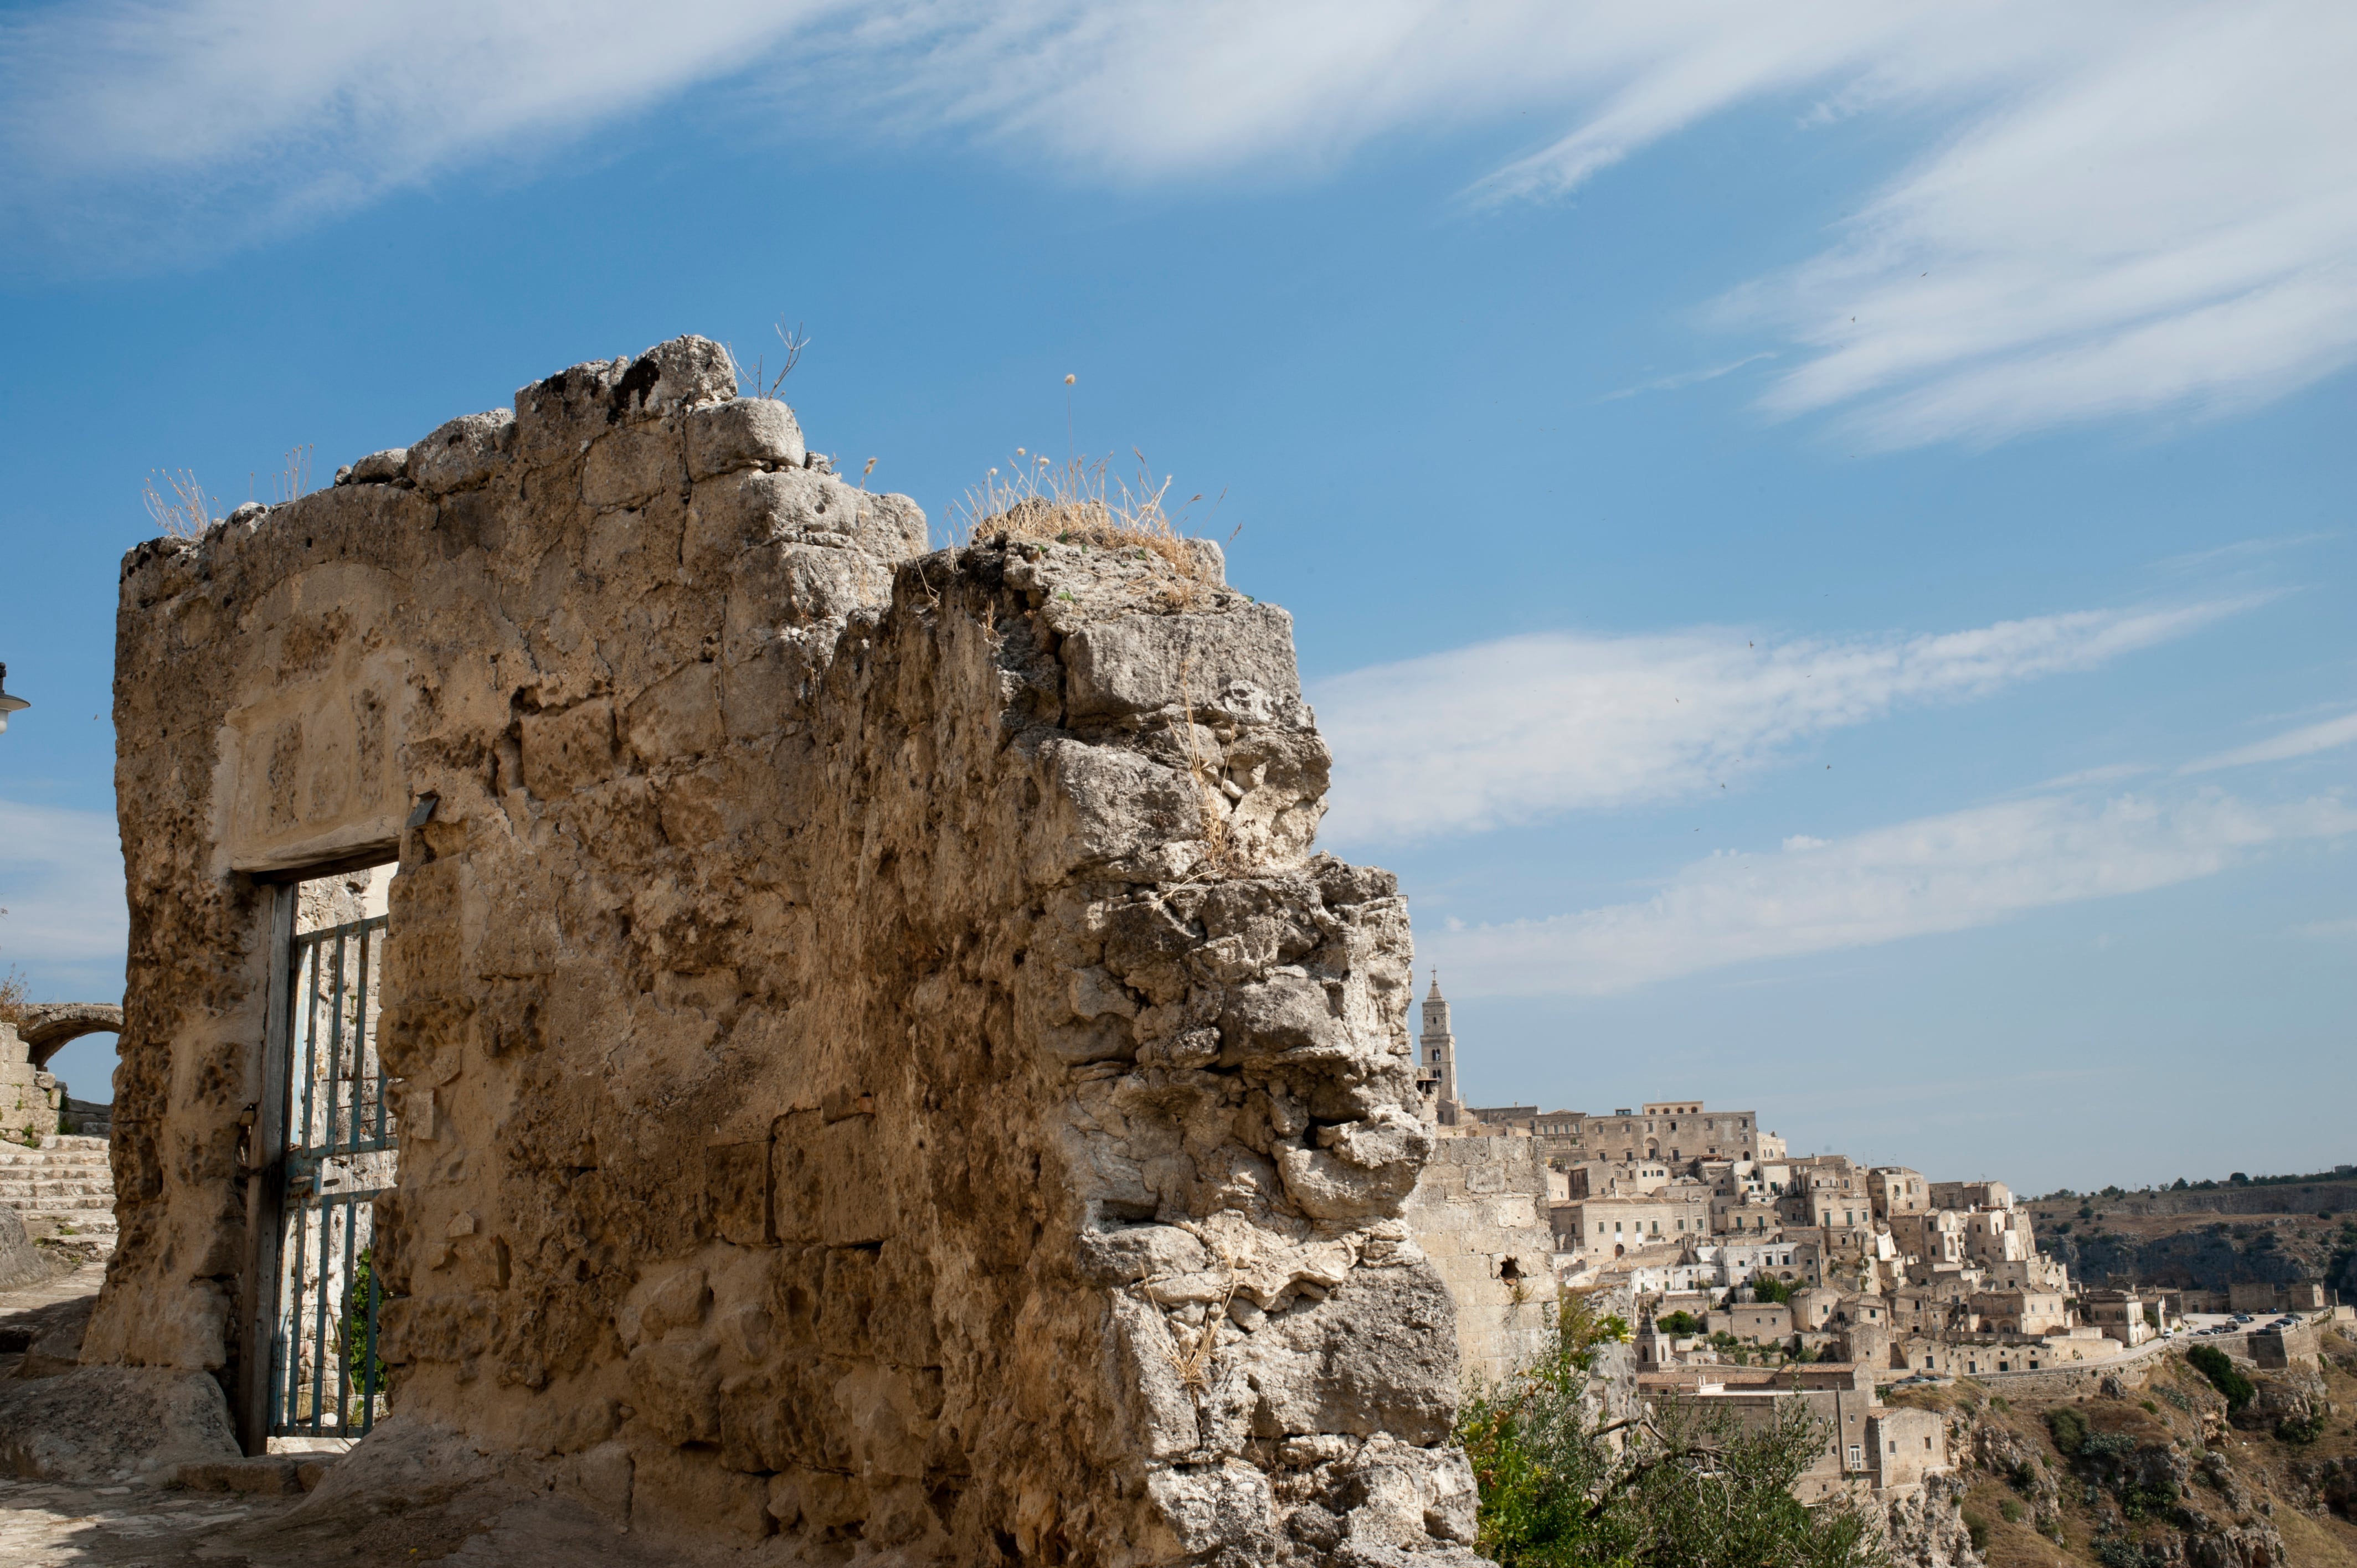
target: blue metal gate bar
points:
(324, 1381)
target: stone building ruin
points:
(864, 1055)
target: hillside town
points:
(1733, 1251)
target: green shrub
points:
(2224, 1375)
(2012, 1511)
(2301, 1429)
(1977, 1528)
(1679, 1324)
(1683, 1487)
(2068, 1427)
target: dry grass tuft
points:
(1221, 852)
(187, 513)
(1079, 503)
(1193, 1362)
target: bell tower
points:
(1435, 1059)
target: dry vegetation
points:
(180, 508)
(1079, 503)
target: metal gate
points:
(336, 1141)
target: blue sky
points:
(1819, 538)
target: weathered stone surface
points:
(743, 433)
(21, 1262)
(463, 453)
(112, 1424)
(878, 1062)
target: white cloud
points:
(61, 883)
(1684, 379)
(1940, 873)
(2128, 209)
(2305, 741)
(1513, 731)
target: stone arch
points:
(47, 1026)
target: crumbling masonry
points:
(877, 1059)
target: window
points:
(1894, 1445)
(1856, 1458)
(1927, 1442)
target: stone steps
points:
(65, 1185)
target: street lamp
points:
(8, 704)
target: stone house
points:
(1793, 1260)
(2120, 1314)
(1886, 1450)
(1896, 1189)
(1753, 1322)
(1609, 1227)
(2026, 1312)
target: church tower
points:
(1435, 1060)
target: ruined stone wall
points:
(877, 1061)
(1479, 1213)
(29, 1098)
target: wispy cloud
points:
(2129, 209)
(1684, 379)
(61, 883)
(1514, 731)
(1939, 874)
(2305, 741)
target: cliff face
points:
(875, 1056)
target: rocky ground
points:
(2157, 1474)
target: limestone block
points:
(1283, 1016)
(568, 748)
(678, 717)
(676, 376)
(1239, 665)
(99, 1425)
(830, 1185)
(1143, 1373)
(381, 467)
(733, 512)
(1138, 1252)
(742, 433)
(1206, 1507)
(631, 466)
(463, 453)
(1378, 1355)
(675, 1388)
(736, 1192)
(678, 1492)
(21, 1262)
(892, 528)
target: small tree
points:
(2224, 1376)
(1679, 1486)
